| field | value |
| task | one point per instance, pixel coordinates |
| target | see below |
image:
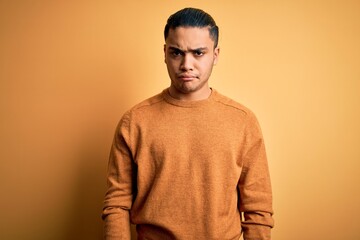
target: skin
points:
(190, 56)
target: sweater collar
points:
(183, 103)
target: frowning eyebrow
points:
(201, 49)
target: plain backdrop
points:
(69, 70)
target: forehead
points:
(189, 37)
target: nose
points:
(187, 63)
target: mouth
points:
(186, 77)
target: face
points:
(190, 56)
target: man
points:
(189, 163)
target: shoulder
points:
(251, 123)
(229, 103)
(148, 102)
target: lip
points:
(186, 77)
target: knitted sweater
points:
(188, 170)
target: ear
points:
(216, 55)
(165, 53)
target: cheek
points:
(169, 63)
(172, 68)
(175, 64)
(206, 66)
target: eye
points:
(176, 53)
(198, 53)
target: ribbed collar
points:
(183, 103)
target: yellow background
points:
(69, 70)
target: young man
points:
(189, 162)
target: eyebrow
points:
(191, 50)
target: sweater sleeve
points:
(120, 181)
(254, 186)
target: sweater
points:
(188, 170)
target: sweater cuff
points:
(257, 232)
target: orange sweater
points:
(187, 170)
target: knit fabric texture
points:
(188, 170)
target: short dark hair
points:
(193, 17)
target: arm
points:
(120, 180)
(254, 186)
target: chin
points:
(185, 88)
